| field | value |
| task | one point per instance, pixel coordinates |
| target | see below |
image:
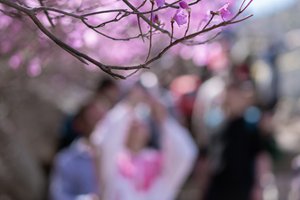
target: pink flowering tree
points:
(120, 37)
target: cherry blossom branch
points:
(120, 14)
(126, 13)
(146, 19)
(79, 55)
(190, 36)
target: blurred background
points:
(35, 103)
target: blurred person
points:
(131, 170)
(207, 116)
(153, 85)
(207, 119)
(107, 92)
(75, 175)
(184, 90)
(294, 193)
(238, 158)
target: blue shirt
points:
(74, 173)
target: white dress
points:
(151, 175)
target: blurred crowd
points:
(204, 134)
(206, 137)
(220, 122)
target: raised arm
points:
(109, 136)
(180, 152)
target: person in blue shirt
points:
(74, 176)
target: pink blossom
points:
(184, 5)
(224, 12)
(155, 19)
(180, 17)
(160, 3)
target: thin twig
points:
(172, 31)
(210, 20)
(114, 38)
(47, 14)
(149, 22)
(194, 43)
(188, 24)
(140, 28)
(44, 8)
(150, 39)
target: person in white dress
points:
(129, 169)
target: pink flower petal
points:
(224, 11)
(160, 3)
(180, 17)
(184, 5)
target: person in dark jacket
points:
(238, 148)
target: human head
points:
(138, 135)
(108, 89)
(239, 95)
(136, 94)
(88, 116)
